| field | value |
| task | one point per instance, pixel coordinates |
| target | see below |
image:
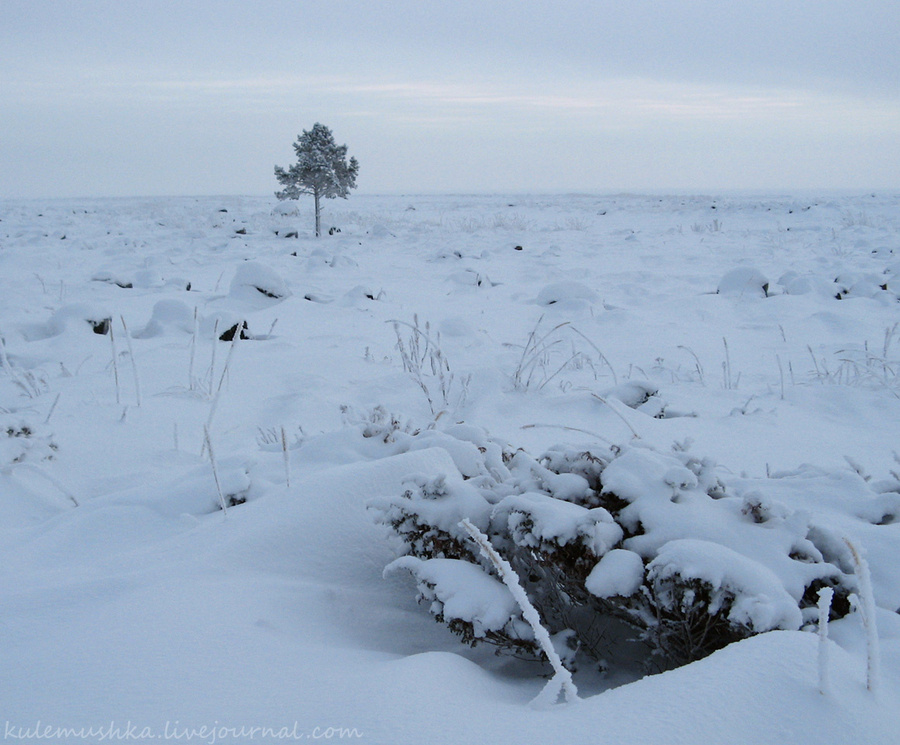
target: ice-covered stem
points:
(826, 595)
(4, 359)
(618, 413)
(215, 401)
(569, 429)
(287, 458)
(41, 472)
(52, 408)
(192, 383)
(115, 363)
(562, 678)
(215, 470)
(212, 363)
(867, 613)
(137, 380)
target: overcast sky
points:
(183, 97)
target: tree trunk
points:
(318, 214)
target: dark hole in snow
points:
(228, 334)
(100, 327)
(241, 231)
(518, 248)
(223, 210)
(840, 604)
(267, 293)
(117, 282)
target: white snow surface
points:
(145, 606)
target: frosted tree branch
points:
(561, 682)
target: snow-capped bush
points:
(468, 599)
(168, 315)
(77, 317)
(253, 281)
(21, 442)
(626, 542)
(744, 281)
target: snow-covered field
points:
(129, 600)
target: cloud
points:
(649, 91)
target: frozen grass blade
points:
(192, 382)
(134, 370)
(215, 470)
(867, 614)
(115, 362)
(569, 429)
(287, 458)
(41, 472)
(618, 413)
(217, 395)
(826, 594)
(52, 408)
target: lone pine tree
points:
(321, 169)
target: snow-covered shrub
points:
(253, 281)
(74, 317)
(424, 360)
(470, 601)
(21, 442)
(744, 281)
(377, 423)
(546, 353)
(626, 543)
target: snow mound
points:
(744, 281)
(257, 283)
(168, 315)
(568, 292)
(81, 318)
